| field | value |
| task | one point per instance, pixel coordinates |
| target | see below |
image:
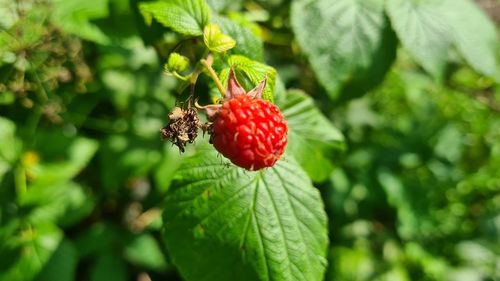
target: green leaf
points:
(125, 157)
(248, 44)
(215, 40)
(10, 146)
(144, 251)
(220, 5)
(474, 35)
(38, 244)
(254, 71)
(340, 38)
(75, 17)
(312, 139)
(62, 264)
(100, 238)
(7, 98)
(423, 31)
(353, 263)
(166, 168)
(66, 203)
(184, 16)
(10, 248)
(62, 158)
(225, 223)
(369, 78)
(108, 267)
(10, 15)
(411, 220)
(9, 150)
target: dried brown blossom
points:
(182, 127)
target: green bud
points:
(176, 63)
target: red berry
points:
(252, 133)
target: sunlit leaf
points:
(224, 223)
(144, 251)
(215, 40)
(474, 35)
(341, 38)
(220, 5)
(184, 16)
(76, 17)
(423, 31)
(312, 139)
(247, 43)
(254, 71)
(10, 146)
(61, 158)
(37, 245)
(62, 264)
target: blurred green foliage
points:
(397, 124)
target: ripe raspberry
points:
(247, 129)
(252, 133)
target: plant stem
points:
(180, 77)
(20, 182)
(214, 76)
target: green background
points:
(392, 171)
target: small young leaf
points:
(224, 223)
(215, 40)
(423, 31)
(184, 16)
(176, 63)
(312, 138)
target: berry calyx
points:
(246, 129)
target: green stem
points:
(180, 77)
(193, 77)
(20, 181)
(213, 75)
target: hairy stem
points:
(213, 75)
(180, 77)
